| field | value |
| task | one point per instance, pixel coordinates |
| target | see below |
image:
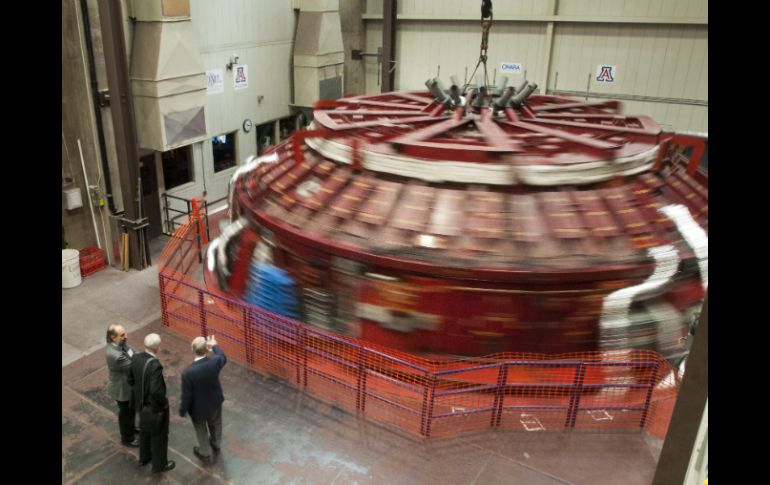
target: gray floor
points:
(108, 296)
(274, 434)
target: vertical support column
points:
(353, 37)
(122, 111)
(548, 50)
(388, 75)
(577, 391)
(497, 407)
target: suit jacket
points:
(201, 390)
(154, 384)
(119, 364)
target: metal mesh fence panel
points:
(626, 389)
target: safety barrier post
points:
(577, 392)
(426, 417)
(204, 224)
(298, 351)
(361, 388)
(195, 215)
(304, 342)
(169, 223)
(247, 323)
(497, 407)
(163, 300)
(202, 312)
(647, 399)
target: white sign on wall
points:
(215, 82)
(606, 73)
(241, 76)
(512, 67)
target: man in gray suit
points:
(119, 363)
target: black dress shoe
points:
(133, 444)
(203, 458)
(169, 466)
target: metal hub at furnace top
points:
(547, 141)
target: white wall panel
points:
(422, 46)
(374, 7)
(373, 41)
(659, 59)
(652, 60)
(261, 33)
(462, 8)
(634, 8)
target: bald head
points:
(116, 333)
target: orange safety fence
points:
(629, 389)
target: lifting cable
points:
(486, 24)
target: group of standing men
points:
(136, 382)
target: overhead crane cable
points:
(486, 25)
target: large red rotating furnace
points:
(506, 221)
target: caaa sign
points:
(512, 67)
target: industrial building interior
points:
(440, 241)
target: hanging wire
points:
(486, 24)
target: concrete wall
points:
(353, 37)
(78, 124)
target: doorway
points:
(150, 198)
(265, 136)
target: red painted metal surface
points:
(565, 202)
(425, 397)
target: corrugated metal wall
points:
(659, 49)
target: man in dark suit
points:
(146, 377)
(202, 396)
(119, 363)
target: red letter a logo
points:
(605, 75)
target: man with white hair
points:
(146, 377)
(202, 396)
(119, 355)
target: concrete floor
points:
(274, 434)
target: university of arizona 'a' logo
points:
(240, 77)
(605, 74)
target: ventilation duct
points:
(168, 82)
(318, 53)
